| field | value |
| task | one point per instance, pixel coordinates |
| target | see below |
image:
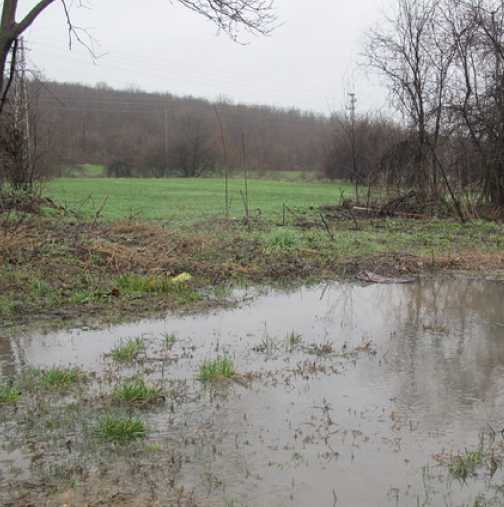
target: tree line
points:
(135, 133)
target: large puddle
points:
(381, 387)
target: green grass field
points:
(183, 200)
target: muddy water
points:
(382, 381)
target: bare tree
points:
(374, 137)
(194, 150)
(256, 16)
(444, 64)
(477, 29)
(26, 149)
(11, 30)
(414, 56)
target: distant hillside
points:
(141, 133)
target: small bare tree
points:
(193, 152)
(374, 138)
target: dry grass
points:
(80, 263)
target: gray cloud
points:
(308, 62)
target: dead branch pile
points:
(409, 205)
(25, 202)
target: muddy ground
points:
(61, 269)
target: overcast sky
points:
(309, 62)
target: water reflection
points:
(436, 380)
(448, 350)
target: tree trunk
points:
(420, 177)
(5, 46)
(10, 30)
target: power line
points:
(160, 72)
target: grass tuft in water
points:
(9, 394)
(267, 346)
(153, 448)
(320, 349)
(463, 466)
(58, 378)
(121, 430)
(134, 285)
(293, 341)
(127, 351)
(169, 340)
(217, 369)
(137, 392)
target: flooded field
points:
(339, 394)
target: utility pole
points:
(352, 107)
(21, 103)
(165, 137)
(225, 160)
(355, 174)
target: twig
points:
(224, 153)
(73, 31)
(100, 209)
(245, 176)
(246, 207)
(335, 498)
(354, 218)
(326, 225)
(456, 202)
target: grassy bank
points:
(57, 266)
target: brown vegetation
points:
(63, 268)
(443, 63)
(145, 134)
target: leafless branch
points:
(78, 33)
(256, 16)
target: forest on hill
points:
(135, 133)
